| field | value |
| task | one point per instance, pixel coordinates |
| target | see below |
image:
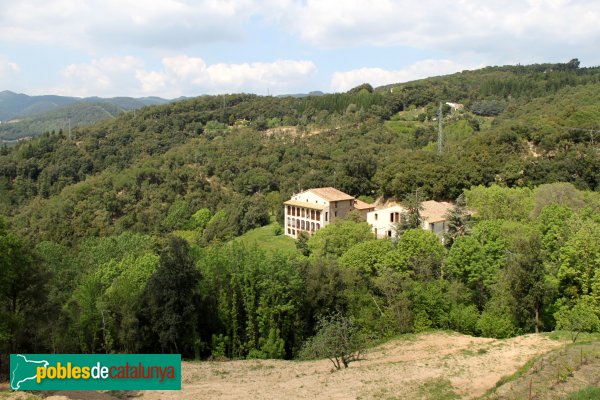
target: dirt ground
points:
(418, 367)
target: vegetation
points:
(154, 231)
(338, 339)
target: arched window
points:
(318, 226)
(302, 224)
(312, 226)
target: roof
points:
(435, 211)
(305, 204)
(361, 205)
(330, 194)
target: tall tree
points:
(170, 299)
(458, 221)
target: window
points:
(391, 217)
(293, 211)
(335, 214)
(312, 214)
(431, 227)
(318, 226)
(288, 210)
(375, 216)
(303, 213)
(289, 231)
(389, 233)
(336, 204)
(302, 225)
(319, 215)
(326, 215)
(312, 226)
(297, 223)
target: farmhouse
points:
(312, 209)
(433, 218)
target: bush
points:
(463, 319)
(337, 339)
(496, 325)
(580, 318)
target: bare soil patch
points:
(414, 367)
(398, 369)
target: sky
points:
(173, 48)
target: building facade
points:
(312, 209)
(433, 218)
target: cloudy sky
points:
(172, 48)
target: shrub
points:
(337, 339)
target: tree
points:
(580, 318)
(302, 243)
(527, 280)
(337, 237)
(169, 300)
(458, 221)
(337, 339)
(418, 253)
(23, 292)
(475, 259)
(200, 219)
(366, 256)
(413, 205)
(580, 261)
(497, 202)
(560, 193)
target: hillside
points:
(174, 202)
(26, 116)
(364, 138)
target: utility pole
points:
(440, 116)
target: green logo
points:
(95, 371)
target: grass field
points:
(266, 239)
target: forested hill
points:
(522, 126)
(26, 116)
(147, 232)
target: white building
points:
(433, 214)
(312, 209)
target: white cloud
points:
(9, 72)
(343, 81)
(260, 77)
(102, 77)
(502, 29)
(156, 23)
(182, 75)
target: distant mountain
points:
(300, 95)
(13, 105)
(19, 105)
(25, 116)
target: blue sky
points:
(173, 48)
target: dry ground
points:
(435, 365)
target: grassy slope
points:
(265, 238)
(568, 372)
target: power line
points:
(440, 116)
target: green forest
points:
(135, 234)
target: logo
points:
(95, 371)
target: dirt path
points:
(398, 369)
